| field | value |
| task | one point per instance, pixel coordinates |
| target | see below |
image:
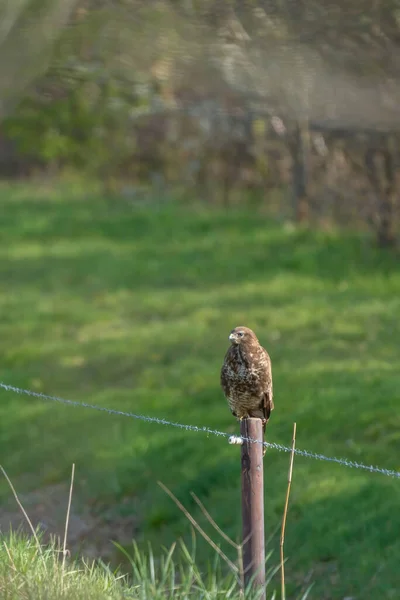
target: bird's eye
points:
(240, 333)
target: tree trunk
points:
(299, 145)
(381, 168)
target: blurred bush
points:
(294, 106)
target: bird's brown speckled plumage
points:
(246, 376)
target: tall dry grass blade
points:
(212, 522)
(39, 547)
(71, 487)
(282, 541)
(231, 565)
(9, 556)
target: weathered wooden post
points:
(253, 505)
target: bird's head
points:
(242, 335)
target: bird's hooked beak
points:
(233, 338)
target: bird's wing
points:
(224, 375)
(267, 400)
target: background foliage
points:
(221, 99)
(171, 169)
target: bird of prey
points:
(246, 376)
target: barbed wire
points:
(280, 447)
(112, 411)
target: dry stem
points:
(238, 547)
(283, 593)
(9, 556)
(71, 487)
(213, 523)
(39, 547)
(231, 565)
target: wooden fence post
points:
(253, 505)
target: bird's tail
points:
(267, 406)
(263, 438)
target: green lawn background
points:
(129, 307)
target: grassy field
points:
(130, 308)
(29, 572)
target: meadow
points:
(130, 306)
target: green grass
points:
(130, 308)
(31, 572)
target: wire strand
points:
(274, 446)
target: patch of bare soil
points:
(90, 532)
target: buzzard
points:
(246, 376)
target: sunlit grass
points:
(30, 572)
(130, 308)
